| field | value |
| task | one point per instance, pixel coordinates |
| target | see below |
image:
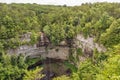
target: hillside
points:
(69, 43)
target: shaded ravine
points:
(54, 57)
(52, 68)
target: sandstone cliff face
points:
(58, 52)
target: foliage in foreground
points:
(12, 67)
(101, 20)
(33, 74)
(104, 70)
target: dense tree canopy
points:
(99, 20)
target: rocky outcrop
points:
(88, 45)
(40, 49)
(25, 37)
(58, 52)
(34, 51)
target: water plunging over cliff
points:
(59, 52)
(56, 55)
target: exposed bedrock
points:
(58, 52)
(33, 51)
(88, 45)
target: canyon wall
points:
(59, 52)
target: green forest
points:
(98, 20)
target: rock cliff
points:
(59, 52)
